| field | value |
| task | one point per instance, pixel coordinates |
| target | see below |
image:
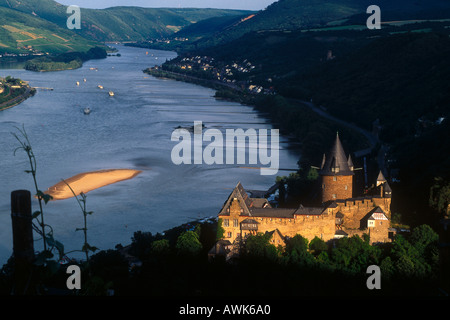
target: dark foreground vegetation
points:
(176, 264)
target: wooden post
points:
(23, 249)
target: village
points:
(226, 73)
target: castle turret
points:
(336, 174)
(385, 189)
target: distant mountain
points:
(119, 23)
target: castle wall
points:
(322, 226)
(355, 210)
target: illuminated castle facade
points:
(341, 215)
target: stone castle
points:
(340, 215)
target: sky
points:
(223, 4)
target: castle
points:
(340, 215)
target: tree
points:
(317, 245)
(188, 243)
(422, 237)
(387, 268)
(220, 229)
(160, 247)
(440, 196)
(355, 253)
(297, 250)
(259, 247)
(405, 266)
(312, 175)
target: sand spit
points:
(88, 181)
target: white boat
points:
(87, 110)
(78, 83)
(111, 93)
(100, 87)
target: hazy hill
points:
(119, 23)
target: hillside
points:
(22, 33)
(119, 23)
(398, 75)
(288, 15)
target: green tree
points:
(355, 253)
(440, 196)
(312, 175)
(188, 243)
(160, 247)
(422, 237)
(297, 250)
(405, 266)
(387, 268)
(317, 245)
(259, 246)
(220, 229)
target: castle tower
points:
(336, 174)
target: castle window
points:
(334, 178)
(346, 187)
(235, 223)
(334, 196)
(229, 234)
(226, 223)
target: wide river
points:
(130, 130)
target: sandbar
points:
(88, 181)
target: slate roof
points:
(254, 207)
(310, 211)
(336, 162)
(381, 177)
(272, 212)
(376, 214)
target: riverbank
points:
(16, 94)
(88, 181)
(64, 61)
(295, 119)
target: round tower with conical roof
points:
(336, 174)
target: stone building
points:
(340, 214)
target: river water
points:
(130, 130)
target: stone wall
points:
(322, 226)
(337, 187)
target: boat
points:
(84, 79)
(100, 87)
(111, 93)
(78, 83)
(87, 110)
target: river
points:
(130, 130)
